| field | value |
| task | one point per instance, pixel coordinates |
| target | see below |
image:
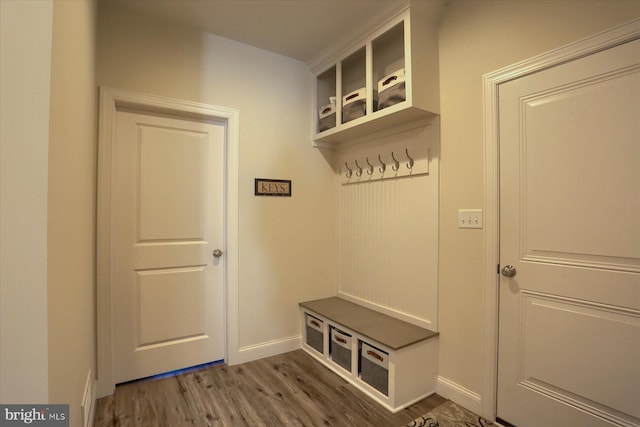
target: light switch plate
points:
(470, 218)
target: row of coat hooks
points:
(382, 166)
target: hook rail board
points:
(384, 166)
(396, 155)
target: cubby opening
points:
(326, 95)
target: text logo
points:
(35, 415)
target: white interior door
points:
(569, 319)
(167, 220)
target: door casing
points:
(110, 101)
(492, 82)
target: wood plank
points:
(290, 389)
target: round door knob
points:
(217, 253)
(508, 270)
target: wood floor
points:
(290, 389)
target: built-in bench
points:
(393, 361)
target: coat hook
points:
(349, 171)
(359, 171)
(410, 162)
(370, 168)
(383, 167)
(396, 164)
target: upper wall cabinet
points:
(388, 78)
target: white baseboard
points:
(458, 394)
(266, 349)
(89, 400)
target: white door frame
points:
(492, 81)
(110, 101)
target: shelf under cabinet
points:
(378, 121)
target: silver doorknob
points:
(217, 253)
(508, 270)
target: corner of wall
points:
(459, 394)
(265, 349)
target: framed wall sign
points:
(272, 187)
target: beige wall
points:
(71, 204)
(287, 246)
(25, 58)
(477, 37)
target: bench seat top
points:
(388, 331)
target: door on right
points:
(569, 308)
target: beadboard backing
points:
(389, 230)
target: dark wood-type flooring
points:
(290, 389)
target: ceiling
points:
(299, 29)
